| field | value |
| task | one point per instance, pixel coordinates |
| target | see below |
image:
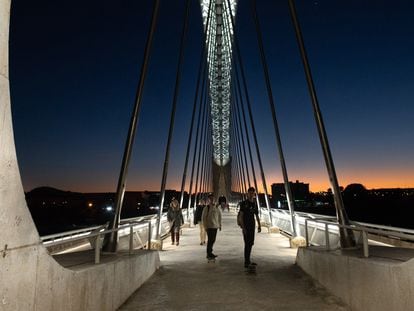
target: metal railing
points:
(65, 241)
(363, 236)
(99, 237)
(324, 230)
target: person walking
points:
(198, 220)
(223, 203)
(245, 219)
(211, 219)
(176, 220)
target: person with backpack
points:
(246, 220)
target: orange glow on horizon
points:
(318, 181)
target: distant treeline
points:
(55, 210)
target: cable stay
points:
(111, 239)
(172, 117)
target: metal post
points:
(97, 249)
(111, 239)
(131, 239)
(306, 233)
(346, 236)
(149, 234)
(365, 243)
(327, 243)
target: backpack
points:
(239, 216)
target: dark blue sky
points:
(74, 67)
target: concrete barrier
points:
(365, 284)
(33, 280)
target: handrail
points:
(363, 229)
(101, 233)
(139, 218)
(387, 228)
(69, 233)
(62, 235)
(391, 233)
(69, 237)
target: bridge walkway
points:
(186, 281)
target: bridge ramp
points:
(186, 281)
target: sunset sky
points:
(74, 68)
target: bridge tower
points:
(219, 36)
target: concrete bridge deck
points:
(186, 281)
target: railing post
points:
(270, 219)
(131, 238)
(327, 244)
(149, 234)
(306, 233)
(98, 249)
(365, 243)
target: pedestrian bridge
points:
(318, 277)
(344, 266)
(185, 281)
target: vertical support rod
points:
(201, 146)
(111, 239)
(98, 249)
(327, 243)
(172, 117)
(240, 106)
(203, 90)
(149, 234)
(288, 190)
(365, 243)
(131, 239)
(346, 236)
(249, 108)
(201, 73)
(306, 233)
(239, 136)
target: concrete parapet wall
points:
(364, 284)
(32, 280)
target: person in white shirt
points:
(211, 219)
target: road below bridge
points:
(186, 281)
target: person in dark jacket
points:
(176, 220)
(246, 220)
(198, 220)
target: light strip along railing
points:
(326, 229)
(67, 239)
(67, 235)
(363, 230)
(100, 234)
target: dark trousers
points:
(248, 236)
(175, 236)
(211, 238)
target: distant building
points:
(300, 192)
